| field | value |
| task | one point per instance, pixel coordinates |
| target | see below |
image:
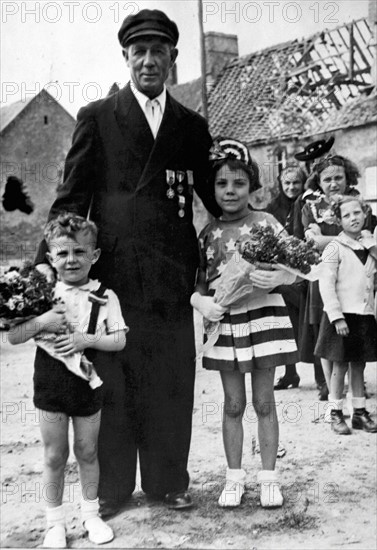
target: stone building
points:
(281, 98)
(35, 136)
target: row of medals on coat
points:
(178, 176)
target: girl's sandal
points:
(234, 489)
(270, 494)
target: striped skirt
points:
(257, 335)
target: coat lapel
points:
(169, 139)
(133, 124)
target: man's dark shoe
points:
(363, 422)
(338, 424)
(323, 394)
(110, 508)
(286, 382)
(178, 500)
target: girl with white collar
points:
(348, 331)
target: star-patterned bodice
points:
(217, 241)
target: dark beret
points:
(315, 149)
(148, 23)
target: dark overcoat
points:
(149, 258)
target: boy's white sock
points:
(55, 516)
(89, 509)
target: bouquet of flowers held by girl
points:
(263, 248)
(25, 293)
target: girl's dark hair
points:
(351, 171)
(251, 169)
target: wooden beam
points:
(203, 61)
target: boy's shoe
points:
(234, 489)
(270, 493)
(98, 531)
(364, 422)
(55, 537)
(338, 424)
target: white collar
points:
(142, 98)
(366, 240)
(92, 284)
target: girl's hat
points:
(229, 149)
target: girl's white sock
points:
(359, 402)
(337, 403)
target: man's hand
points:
(341, 327)
(47, 271)
(207, 307)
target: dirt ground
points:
(329, 481)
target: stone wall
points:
(33, 148)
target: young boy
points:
(92, 320)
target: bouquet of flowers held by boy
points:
(25, 293)
(263, 248)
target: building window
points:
(280, 159)
(45, 120)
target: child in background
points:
(330, 175)
(72, 251)
(348, 330)
(254, 338)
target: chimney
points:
(220, 49)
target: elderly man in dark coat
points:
(135, 160)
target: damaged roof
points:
(294, 88)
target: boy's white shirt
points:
(78, 309)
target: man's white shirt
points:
(153, 109)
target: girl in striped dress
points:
(254, 338)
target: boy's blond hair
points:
(67, 225)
